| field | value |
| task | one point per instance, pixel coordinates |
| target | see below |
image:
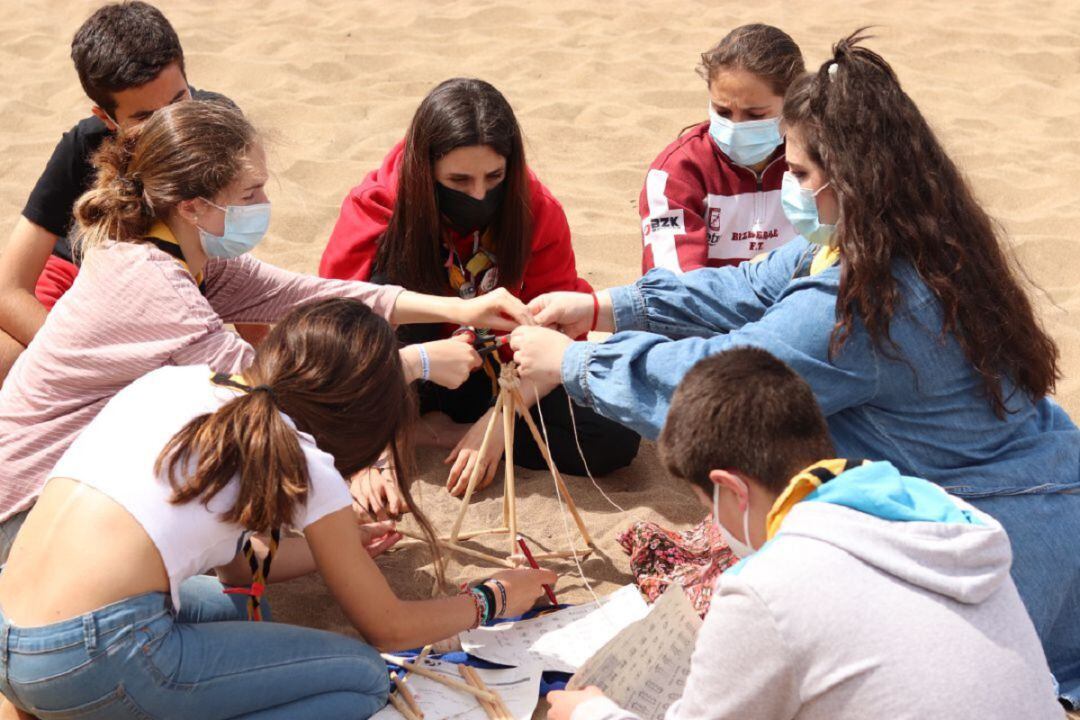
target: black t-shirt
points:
(69, 174)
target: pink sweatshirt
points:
(134, 309)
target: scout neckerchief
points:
(161, 237)
(802, 485)
(473, 276)
(259, 571)
(824, 258)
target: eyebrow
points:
(143, 114)
(256, 186)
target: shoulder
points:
(694, 146)
(137, 275)
(83, 139)
(543, 203)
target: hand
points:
(452, 361)
(376, 494)
(466, 455)
(538, 353)
(523, 588)
(496, 310)
(570, 313)
(378, 537)
(564, 702)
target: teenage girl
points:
(455, 210)
(181, 467)
(177, 204)
(712, 197)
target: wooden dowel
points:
(402, 707)
(423, 671)
(470, 534)
(562, 554)
(499, 706)
(474, 476)
(509, 488)
(424, 653)
(563, 490)
(459, 549)
(407, 696)
(487, 706)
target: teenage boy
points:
(130, 63)
(870, 594)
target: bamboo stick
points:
(406, 694)
(474, 476)
(509, 487)
(488, 707)
(562, 554)
(499, 706)
(438, 677)
(402, 707)
(459, 548)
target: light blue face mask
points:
(800, 207)
(747, 143)
(245, 227)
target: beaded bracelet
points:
(425, 363)
(489, 596)
(480, 604)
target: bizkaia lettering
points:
(755, 235)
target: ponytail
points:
(117, 206)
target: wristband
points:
(489, 601)
(595, 312)
(481, 606)
(425, 363)
(502, 596)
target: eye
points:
(756, 116)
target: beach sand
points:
(600, 89)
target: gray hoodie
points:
(881, 596)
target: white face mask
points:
(738, 548)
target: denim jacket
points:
(920, 405)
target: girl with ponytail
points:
(898, 305)
(165, 232)
(182, 466)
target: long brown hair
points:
(332, 366)
(902, 199)
(461, 112)
(183, 151)
(761, 50)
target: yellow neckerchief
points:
(824, 258)
(161, 232)
(802, 485)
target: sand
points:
(600, 89)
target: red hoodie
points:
(700, 209)
(366, 212)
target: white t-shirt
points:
(116, 454)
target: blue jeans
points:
(138, 658)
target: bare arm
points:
(376, 612)
(27, 251)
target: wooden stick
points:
(459, 548)
(470, 534)
(424, 653)
(406, 694)
(488, 707)
(509, 488)
(562, 554)
(500, 707)
(474, 476)
(438, 677)
(401, 707)
(551, 465)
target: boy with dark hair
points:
(871, 594)
(129, 63)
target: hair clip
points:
(832, 70)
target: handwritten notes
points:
(561, 640)
(518, 687)
(644, 668)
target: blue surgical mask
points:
(800, 207)
(747, 143)
(245, 227)
(738, 548)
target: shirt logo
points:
(714, 219)
(670, 222)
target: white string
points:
(581, 454)
(562, 508)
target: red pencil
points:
(534, 566)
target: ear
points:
(190, 210)
(733, 483)
(104, 117)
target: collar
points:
(804, 483)
(162, 237)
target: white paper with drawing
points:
(644, 668)
(518, 687)
(561, 640)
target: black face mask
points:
(465, 212)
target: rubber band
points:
(425, 363)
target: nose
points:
(477, 189)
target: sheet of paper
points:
(561, 640)
(518, 687)
(644, 668)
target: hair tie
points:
(833, 68)
(133, 185)
(226, 380)
(266, 389)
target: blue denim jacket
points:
(923, 409)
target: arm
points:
(741, 668)
(21, 315)
(552, 265)
(377, 613)
(672, 204)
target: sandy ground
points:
(599, 88)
